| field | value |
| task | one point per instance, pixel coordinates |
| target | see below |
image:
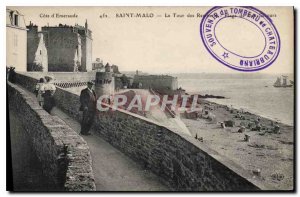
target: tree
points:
(125, 80)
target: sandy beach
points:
(268, 154)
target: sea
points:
(253, 92)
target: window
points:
(16, 20)
(40, 52)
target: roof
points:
(10, 10)
(10, 21)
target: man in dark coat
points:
(88, 100)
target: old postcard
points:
(151, 98)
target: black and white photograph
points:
(150, 98)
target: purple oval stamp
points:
(261, 58)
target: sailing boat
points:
(283, 84)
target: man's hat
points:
(91, 82)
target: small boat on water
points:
(281, 82)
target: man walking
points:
(88, 100)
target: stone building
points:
(156, 82)
(98, 65)
(16, 40)
(69, 48)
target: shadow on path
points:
(113, 170)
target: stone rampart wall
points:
(64, 155)
(180, 160)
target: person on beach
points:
(88, 101)
(39, 91)
(49, 89)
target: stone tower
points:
(104, 83)
(69, 48)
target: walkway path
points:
(114, 171)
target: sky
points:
(160, 44)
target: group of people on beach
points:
(44, 91)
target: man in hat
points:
(49, 90)
(88, 100)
